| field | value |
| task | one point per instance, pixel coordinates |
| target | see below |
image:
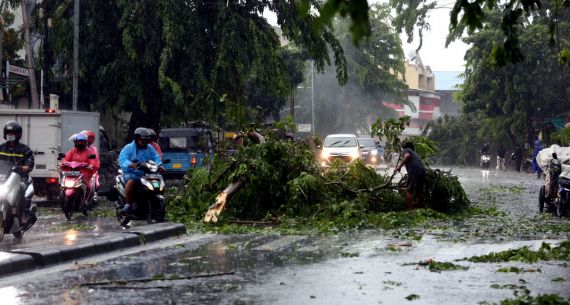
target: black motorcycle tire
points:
(149, 213)
(562, 206)
(68, 205)
(1, 226)
(159, 214)
(541, 199)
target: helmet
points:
(153, 135)
(90, 136)
(142, 133)
(14, 127)
(80, 137)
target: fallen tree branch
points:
(146, 280)
(222, 199)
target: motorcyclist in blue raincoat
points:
(137, 151)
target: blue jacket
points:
(130, 152)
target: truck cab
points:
(186, 148)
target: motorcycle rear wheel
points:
(562, 206)
(1, 226)
(18, 234)
(541, 199)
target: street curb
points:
(37, 257)
(157, 231)
(12, 262)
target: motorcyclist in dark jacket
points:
(485, 149)
(19, 155)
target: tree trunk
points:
(152, 101)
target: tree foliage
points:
(186, 60)
(371, 68)
(472, 16)
(522, 95)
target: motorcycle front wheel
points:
(68, 205)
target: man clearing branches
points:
(416, 175)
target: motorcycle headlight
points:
(325, 154)
(147, 184)
(161, 185)
(374, 152)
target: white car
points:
(340, 146)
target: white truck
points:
(47, 133)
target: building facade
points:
(424, 101)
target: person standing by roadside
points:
(518, 158)
(416, 175)
(535, 167)
(501, 158)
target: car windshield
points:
(187, 139)
(366, 142)
(340, 142)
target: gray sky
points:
(433, 52)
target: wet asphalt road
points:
(352, 268)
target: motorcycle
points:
(16, 217)
(149, 195)
(75, 195)
(485, 160)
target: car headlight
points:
(355, 154)
(374, 152)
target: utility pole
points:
(312, 100)
(46, 88)
(75, 52)
(30, 56)
(2, 2)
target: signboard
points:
(18, 70)
(304, 127)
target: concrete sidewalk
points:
(19, 260)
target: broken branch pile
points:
(277, 178)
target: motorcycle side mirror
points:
(60, 156)
(92, 157)
(165, 161)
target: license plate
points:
(176, 165)
(71, 173)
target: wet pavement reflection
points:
(52, 228)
